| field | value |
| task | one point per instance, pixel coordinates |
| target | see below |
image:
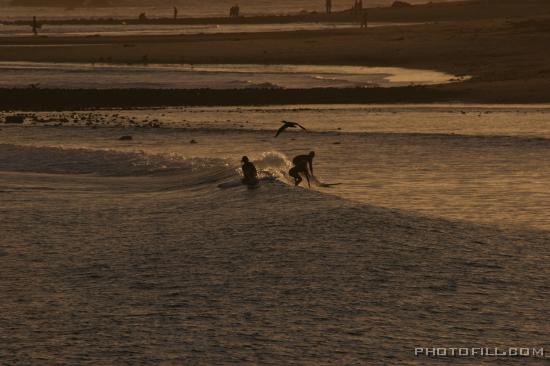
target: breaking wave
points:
(272, 166)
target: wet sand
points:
(54, 99)
(508, 61)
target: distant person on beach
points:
(357, 6)
(35, 26)
(364, 19)
(250, 174)
(328, 6)
(234, 11)
(175, 12)
(301, 165)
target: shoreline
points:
(86, 99)
(340, 17)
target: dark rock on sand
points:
(15, 119)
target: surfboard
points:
(230, 184)
(324, 185)
(252, 184)
(238, 183)
(328, 185)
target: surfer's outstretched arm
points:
(310, 157)
(307, 177)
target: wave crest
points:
(105, 162)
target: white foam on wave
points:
(273, 164)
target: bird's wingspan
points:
(302, 127)
(281, 129)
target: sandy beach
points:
(507, 59)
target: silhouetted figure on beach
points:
(357, 7)
(35, 26)
(364, 19)
(175, 12)
(301, 165)
(287, 124)
(250, 175)
(142, 17)
(328, 6)
(234, 11)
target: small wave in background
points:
(186, 76)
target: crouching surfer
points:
(303, 164)
(250, 174)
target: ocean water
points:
(127, 252)
(219, 76)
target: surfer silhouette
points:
(303, 164)
(249, 172)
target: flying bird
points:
(287, 124)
